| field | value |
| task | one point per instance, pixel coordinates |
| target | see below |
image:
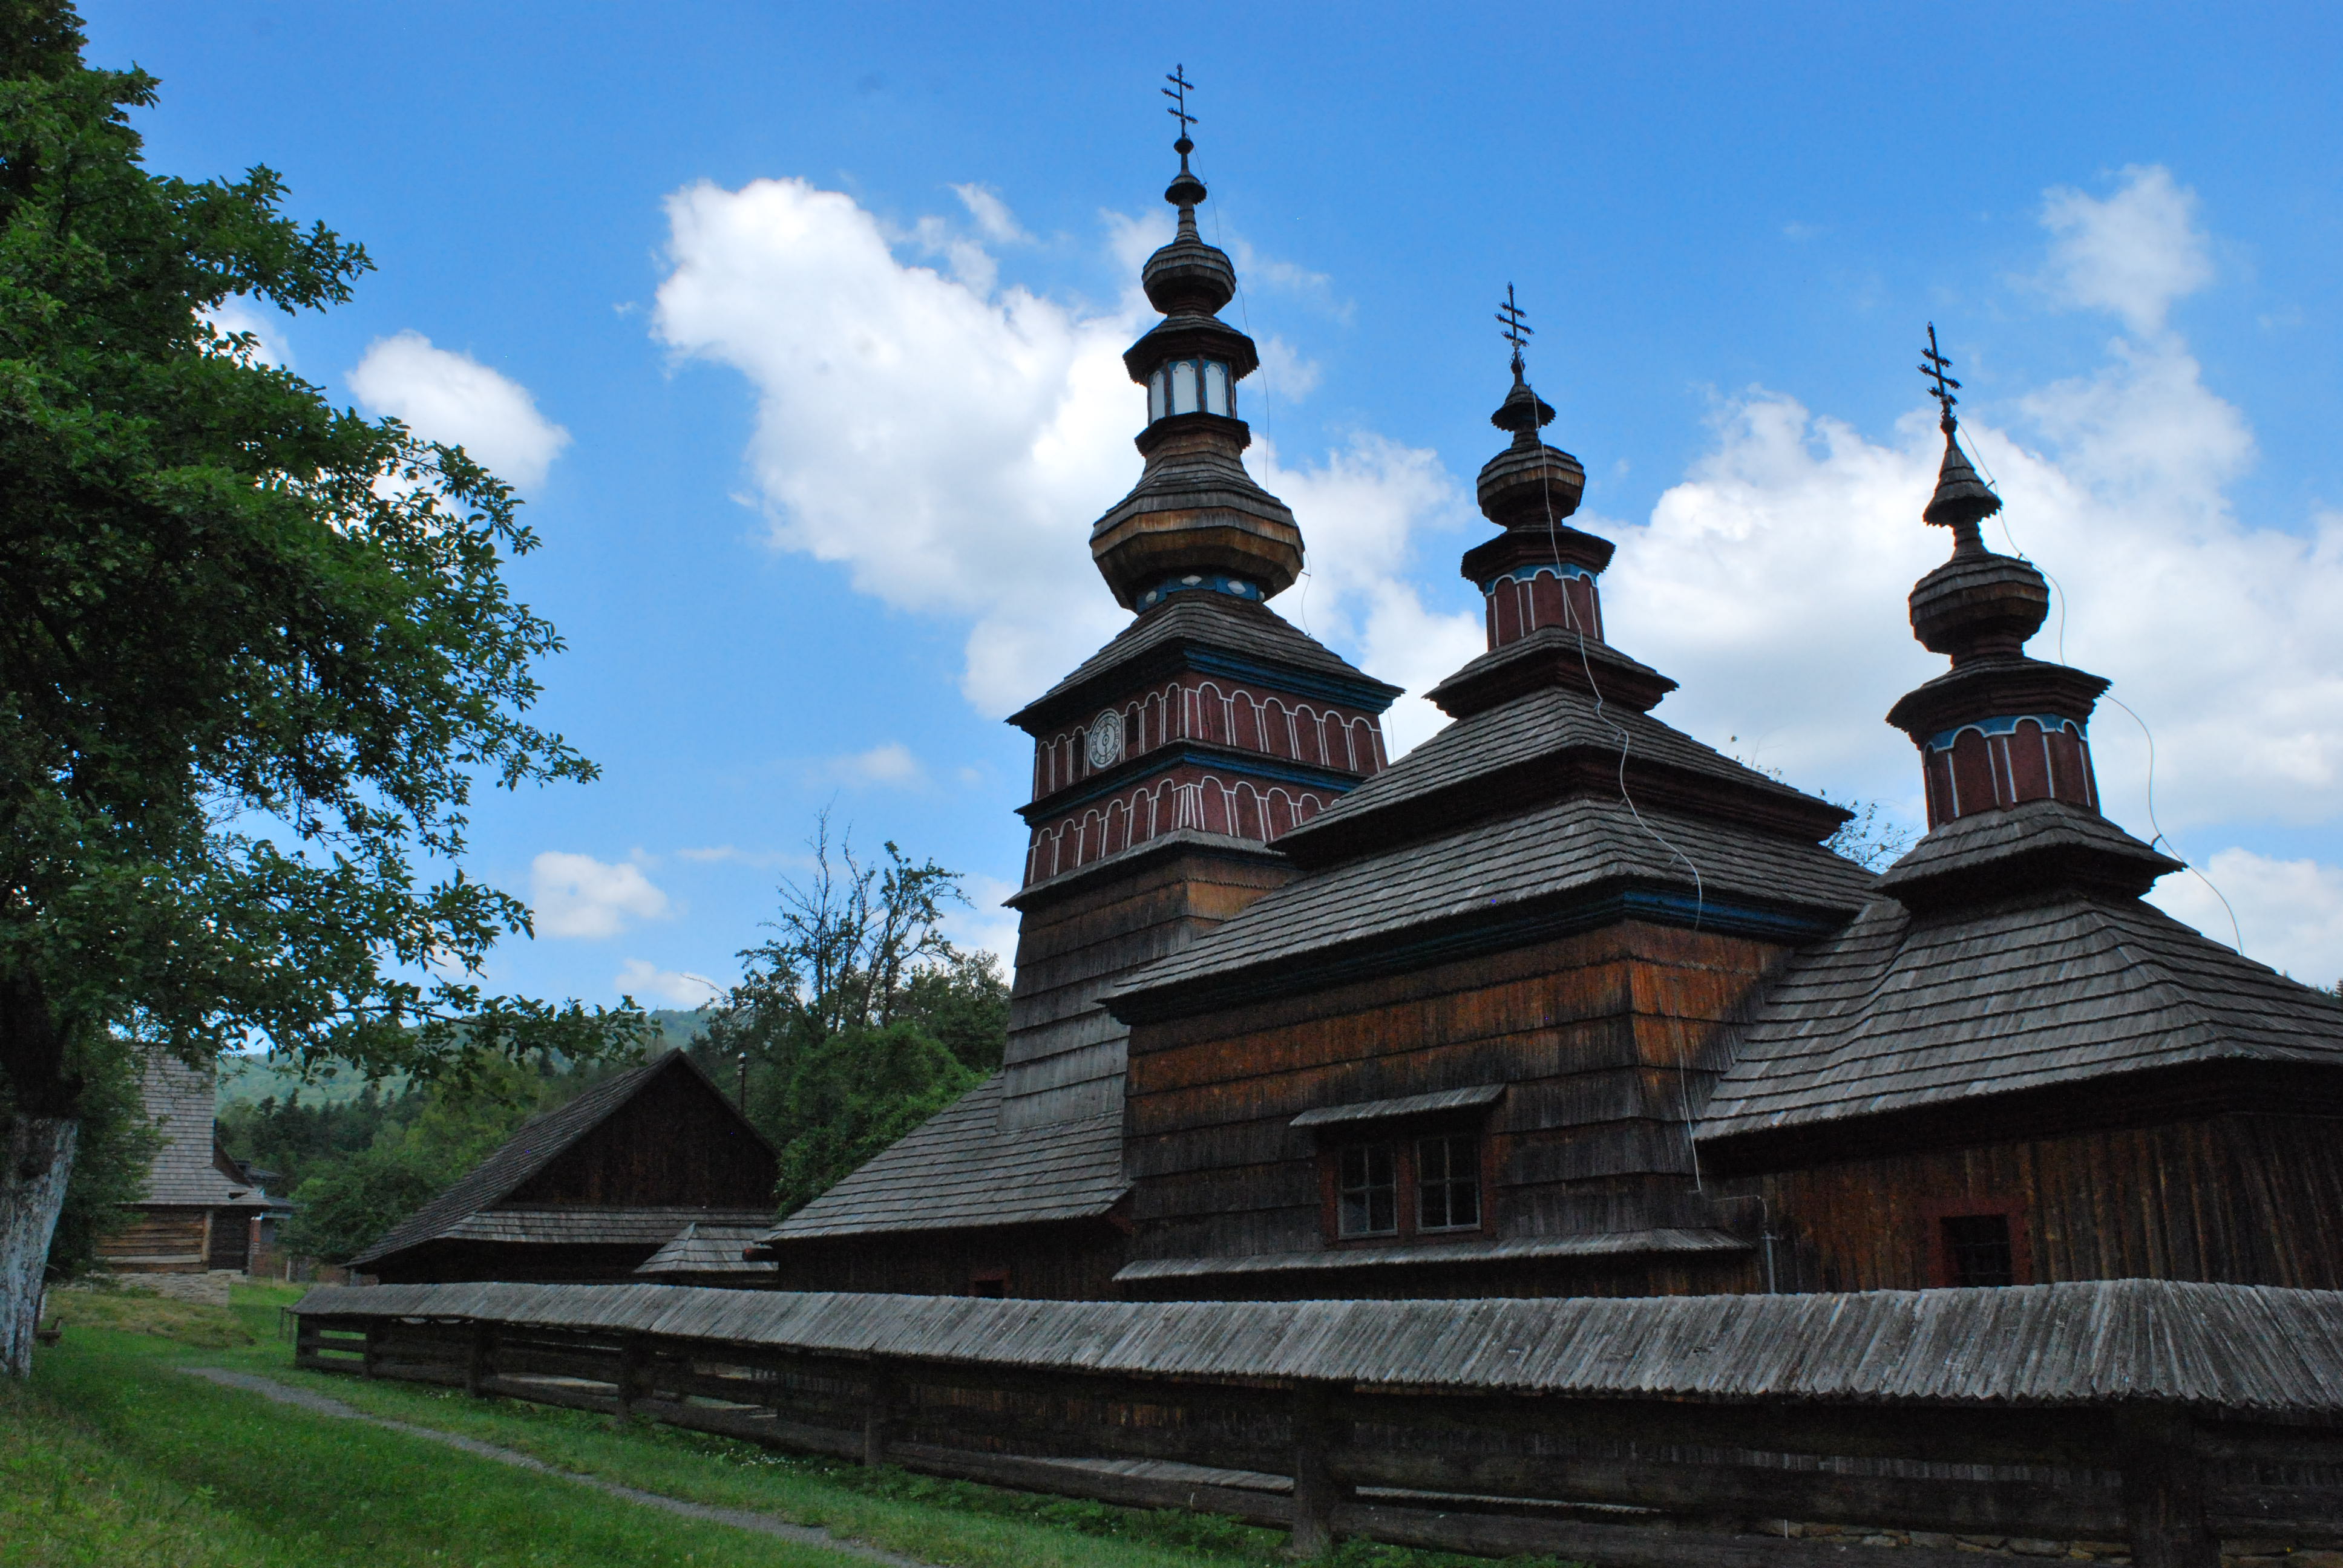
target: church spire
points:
(1962, 500)
(2000, 728)
(1196, 521)
(1538, 572)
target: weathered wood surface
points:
(2244, 1352)
(2106, 1433)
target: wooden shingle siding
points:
(1598, 1039)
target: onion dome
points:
(1978, 603)
(1529, 484)
(1196, 521)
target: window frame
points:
(1406, 1145)
(1941, 1274)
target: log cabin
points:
(592, 1189)
(1564, 1002)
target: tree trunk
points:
(39, 1156)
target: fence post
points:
(373, 1334)
(2164, 1490)
(1317, 1433)
(878, 1411)
(634, 1355)
(480, 1365)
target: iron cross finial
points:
(1178, 92)
(1934, 368)
(1518, 330)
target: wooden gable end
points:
(676, 1141)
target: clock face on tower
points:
(1106, 739)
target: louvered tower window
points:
(1190, 386)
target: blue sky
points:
(797, 325)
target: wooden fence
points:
(2160, 1434)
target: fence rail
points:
(1488, 1466)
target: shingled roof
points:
(961, 1167)
(458, 1211)
(1208, 622)
(187, 1169)
(706, 1252)
(1903, 1010)
(1489, 883)
(1481, 764)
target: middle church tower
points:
(1166, 768)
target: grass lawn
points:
(112, 1456)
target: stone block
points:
(2024, 1547)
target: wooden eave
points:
(2241, 1085)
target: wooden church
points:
(1565, 1001)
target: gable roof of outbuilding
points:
(538, 1144)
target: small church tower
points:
(1999, 729)
(1166, 769)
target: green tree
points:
(857, 1019)
(112, 1158)
(253, 653)
(354, 1198)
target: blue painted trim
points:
(1368, 698)
(2006, 724)
(1526, 573)
(1235, 587)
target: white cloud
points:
(646, 982)
(1285, 375)
(948, 444)
(580, 896)
(448, 397)
(266, 326)
(945, 446)
(1772, 581)
(888, 763)
(2290, 912)
(993, 219)
(2134, 253)
(1360, 511)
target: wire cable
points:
(2059, 593)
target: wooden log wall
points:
(2241, 1199)
(676, 1141)
(157, 1241)
(1392, 1466)
(1070, 1261)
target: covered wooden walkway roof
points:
(2238, 1349)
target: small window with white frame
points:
(1448, 1182)
(1366, 1189)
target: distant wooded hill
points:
(249, 1079)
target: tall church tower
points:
(1166, 767)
